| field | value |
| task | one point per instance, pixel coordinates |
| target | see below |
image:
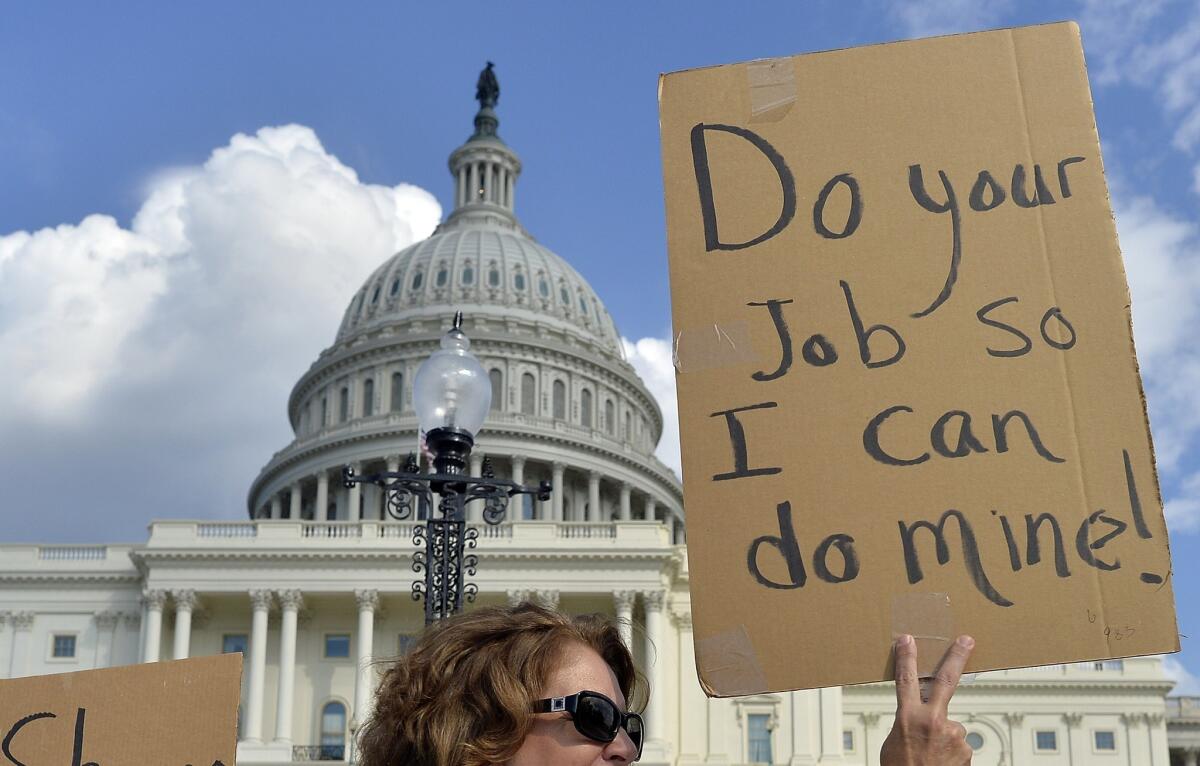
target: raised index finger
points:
(908, 691)
(950, 671)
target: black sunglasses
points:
(596, 717)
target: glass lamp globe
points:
(451, 390)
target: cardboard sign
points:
(908, 396)
(162, 714)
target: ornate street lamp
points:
(451, 394)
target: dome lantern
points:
(485, 169)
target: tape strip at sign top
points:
(772, 87)
(728, 666)
(711, 346)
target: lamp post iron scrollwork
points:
(451, 394)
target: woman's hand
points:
(923, 734)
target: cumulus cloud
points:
(1186, 683)
(147, 362)
(924, 18)
(652, 359)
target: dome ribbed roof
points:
(477, 268)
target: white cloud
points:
(1186, 683)
(652, 358)
(147, 363)
(925, 18)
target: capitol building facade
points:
(315, 586)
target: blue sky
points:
(122, 345)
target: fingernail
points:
(966, 642)
(904, 640)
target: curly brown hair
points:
(463, 695)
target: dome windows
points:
(493, 277)
(368, 393)
(528, 394)
(443, 276)
(610, 417)
(468, 275)
(375, 295)
(564, 295)
(418, 280)
(519, 281)
(585, 408)
(344, 404)
(497, 379)
(560, 400)
(395, 286)
(543, 286)
(583, 309)
(397, 392)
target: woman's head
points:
(464, 695)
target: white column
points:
(353, 496)
(648, 513)
(473, 186)
(502, 186)
(518, 477)
(559, 490)
(593, 513)
(626, 509)
(623, 601)
(154, 600)
(18, 663)
(185, 604)
(368, 602)
(5, 644)
(831, 723)
(260, 603)
(106, 625)
(294, 507)
(655, 664)
(290, 602)
(276, 506)
(474, 511)
(461, 191)
(321, 512)
(692, 705)
(806, 726)
(670, 527)
(508, 190)
(489, 185)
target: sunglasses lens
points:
(597, 718)
(636, 731)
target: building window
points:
(468, 274)
(1110, 665)
(233, 643)
(333, 732)
(337, 645)
(1104, 741)
(395, 286)
(375, 295)
(758, 738)
(1045, 741)
(493, 276)
(583, 305)
(443, 276)
(497, 379)
(543, 287)
(63, 647)
(564, 295)
(368, 397)
(560, 400)
(519, 281)
(585, 408)
(610, 417)
(418, 280)
(406, 642)
(528, 393)
(628, 435)
(975, 740)
(324, 411)
(397, 391)
(344, 404)
(848, 740)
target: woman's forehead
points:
(581, 667)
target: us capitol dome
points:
(566, 404)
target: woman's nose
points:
(621, 749)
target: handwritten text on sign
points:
(888, 434)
